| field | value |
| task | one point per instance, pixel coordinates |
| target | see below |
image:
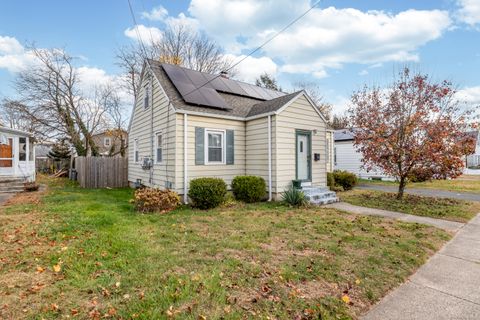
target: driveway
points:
(446, 287)
(425, 192)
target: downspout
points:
(185, 160)
(269, 158)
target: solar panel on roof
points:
(248, 88)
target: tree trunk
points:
(401, 188)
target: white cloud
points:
(13, 55)
(470, 95)
(324, 38)
(251, 68)
(156, 14)
(148, 35)
(363, 73)
(469, 12)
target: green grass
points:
(441, 208)
(248, 261)
(465, 183)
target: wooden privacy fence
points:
(102, 172)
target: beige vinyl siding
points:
(299, 115)
(143, 129)
(257, 148)
(226, 172)
(330, 147)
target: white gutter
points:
(185, 160)
(269, 158)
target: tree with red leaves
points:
(414, 127)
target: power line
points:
(136, 30)
(260, 47)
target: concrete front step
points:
(320, 195)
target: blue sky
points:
(340, 45)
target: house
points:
(347, 158)
(187, 124)
(17, 156)
(473, 160)
(111, 142)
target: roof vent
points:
(224, 74)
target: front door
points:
(6, 157)
(303, 156)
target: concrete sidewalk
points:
(442, 224)
(446, 287)
(4, 197)
(424, 192)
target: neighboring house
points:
(42, 149)
(111, 142)
(473, 160)
(347, 158)
(17, 155)
(187, 124)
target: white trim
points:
(210, 115)
(15, 131)
(223, 133)
(185, 159)
(269, 158)
(135, 150)
(157, 133)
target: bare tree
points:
(12, 118)
(314, 92)
(179, 45)
(49, 96)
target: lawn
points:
(86, 254)
(441, 208)
(465, 183)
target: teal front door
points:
(303, 155)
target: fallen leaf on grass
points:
(40, 269)
(57, 268)
(346, 299)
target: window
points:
(215, 146)
(136, 156)
(107, 142)
(22, 147)
(327, 150)
(146, 96)
(335, 155)
(158, 147)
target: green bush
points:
(345, 179)
(330, 180)
(249, 188)
(294, 197)
(207, 193)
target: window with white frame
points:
(146, 95)
(107, 142)
(215, 146)
(136, 156)
(158, 147)
(335, 155)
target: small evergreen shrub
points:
(330, 180)
(207, 193)
(155, 200)
(345, 179)
(249, 188)
(294, 197)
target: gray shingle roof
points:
(242, 107)
(344, 134)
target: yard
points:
(82, 253)
(465, 183)
(440, 208)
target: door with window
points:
(303, 156)
(6, 157)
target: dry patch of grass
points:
(441, 208)
(246, 261)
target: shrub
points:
(249, 188)
(31, 186)
(294, 197)
(330, 180)
(345, 179)
(419, 175)
(155, 200)
(207, 193)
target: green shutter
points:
(230, 147)
(199, 146)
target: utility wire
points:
(137, 31)
(258, 48)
